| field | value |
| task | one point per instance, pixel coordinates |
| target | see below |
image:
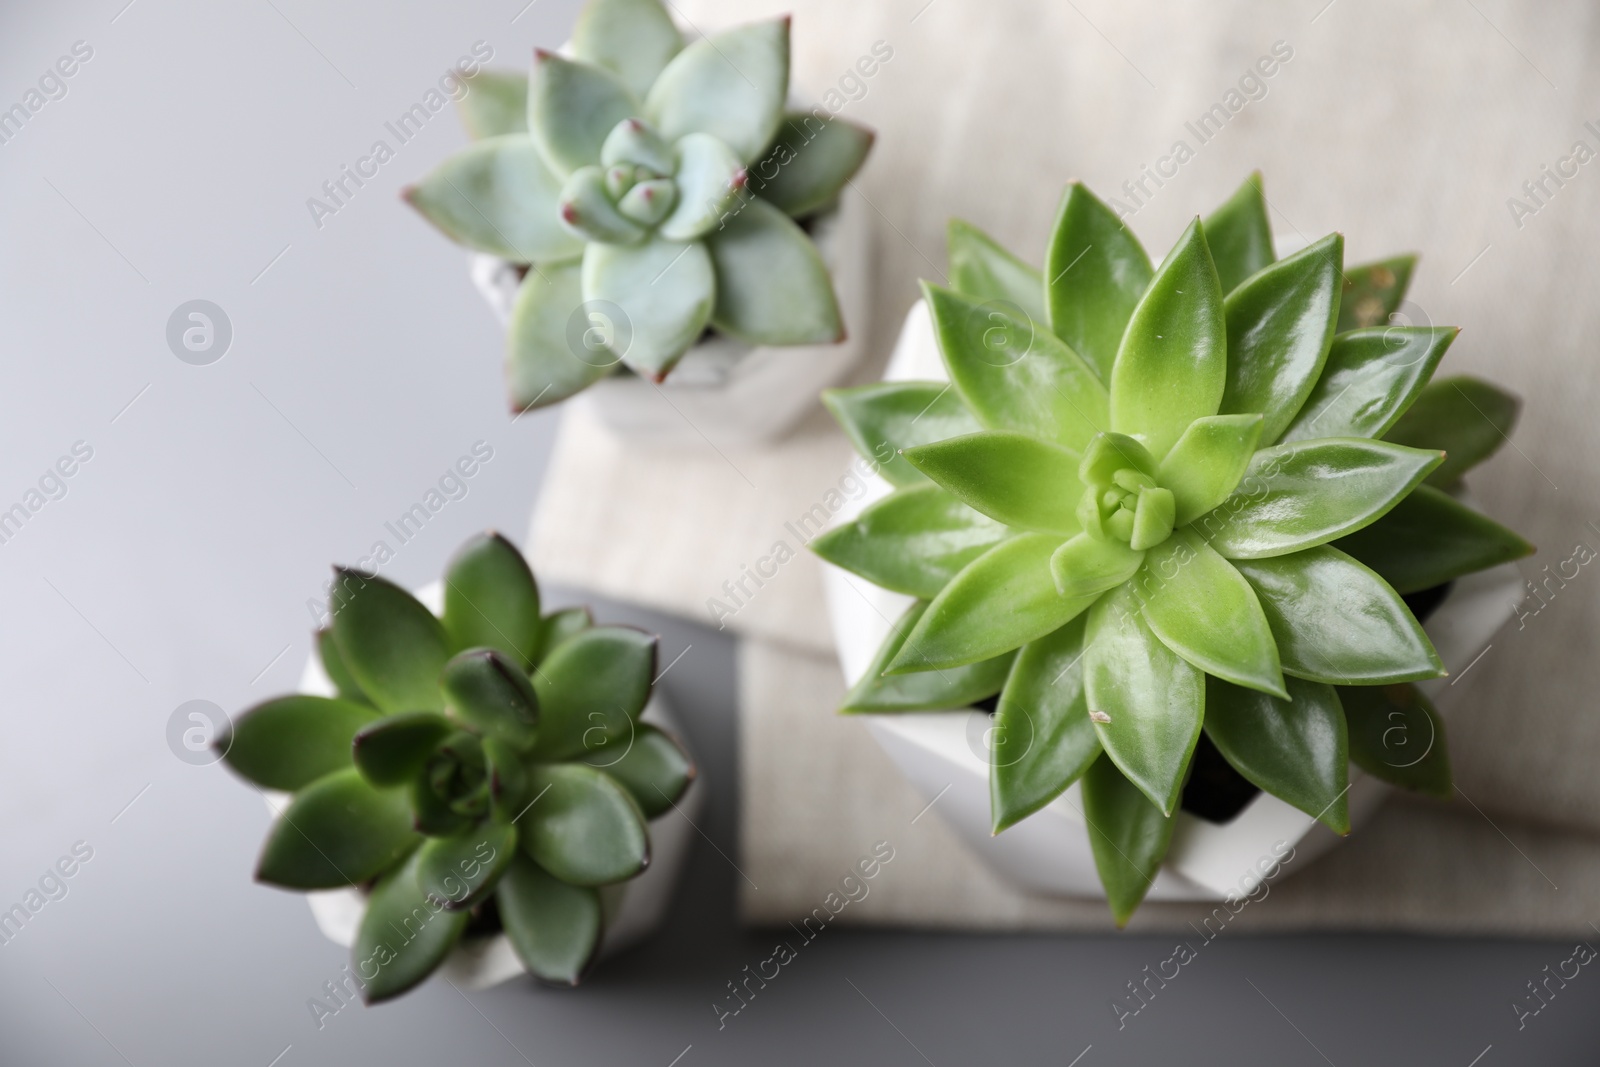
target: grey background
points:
(178, 564)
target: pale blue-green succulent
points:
(652, 188)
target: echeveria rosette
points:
(1159, 501)
(648, 175)
(491, 754)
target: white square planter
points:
(941, 753)
(634, 909)
(726, 390)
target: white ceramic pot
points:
(943, 754)
(634, 909)
(728, 391)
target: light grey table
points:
(175, 563)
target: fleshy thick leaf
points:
(1466, 417)
(1207, 462)
(730, 85)
(1280, 324)
(557, 626)
(1397, 737)
(572, 107)
(885, 418)
(508, 779)
(1173, 362)
(591, 688)
(1014, 374)
(937, 690)
(633, 39)
(458, 872)
(1336, 621)
(587, 209)
(665, 291)
(545, 362)
(584, 828)
(496, 104)
(810, 162)
(1240, 235)
(1307, 493)
(1295, 749)
(1087, 566)
(491, 599)
(498, 196)
(1000, 601)
(650, 764)
(289, 742)
(1128, 835)
(1095, 273)
(392, 750)
(981, 270)
(1012, 477)
(1205, 611)
(391, 643)
(708, 180)
(337, 831)
(1043, 740)
(1374, 291)
(403, 934)
(912, 541)
(492, 695)
(1430, 538)
(1371, 376)
(344, 683)
(772, 286)
(554, 927)
(1151, 701)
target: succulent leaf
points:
(1297, 748)
(1128, 835)
(491, 599)
(591, 689)
(1014, 374)
(508, 780)
(1151, 700)
(1173, 363)
(999, 472)
(583, 827)
(772, 286)
(493, 696)
(572, 107)
(632, 142)
(1000, 601)
(1043, 739)
(730, 85)
(886, 418)
(1240, 235)
(544, 365)
(458, 872)
(1207, 462)
(1336, 621)
(339, 830)
(983, 271)
(1397, 737)
(665, 291)
(558, 626)
(633, 39)
(1203, 609)
(393, 750)
(937, 690)
(1280, 324)
(404, 934)
(498, 196)
(333, 665)
(650, 765)
(1307, 493)
(1430, 538)
(1087, 566)
(496, 104)
(709, 177)
(1374, 291)
(588, 211)
(1466, 417)
(289, 742)
(554, 927)
(648, 202)
(391, 643)
(808, 164)
(1095, 273)
(1370, 378)
(912, 541)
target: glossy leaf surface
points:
(983, 271)
(1086, 566)
(491, 599)
(391, 643)
(912, 541)
(650, 764)
(1095, 273)
(1430, 538)
(1397, 737)
(1240, 235)
(289, 742)
(1207, 462)
(1466, 417)
(554, 927)
(1128, 835)
(584, 828)
(493, 696)
(1014, 478)
(944, 689)
(883, 419)
(338, 831)
(591, 687)
(1371, 376)
(1374, 291)
(1295, 749)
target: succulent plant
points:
(477, 770)
(1156, 502)
(651, 187)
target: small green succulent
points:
(480, 770)
(652, 189)
(1155, 502)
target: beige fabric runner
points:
(984, 111)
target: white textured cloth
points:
(1436, 127)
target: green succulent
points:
(484, 768)
(652, 188)
(1153, 502)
